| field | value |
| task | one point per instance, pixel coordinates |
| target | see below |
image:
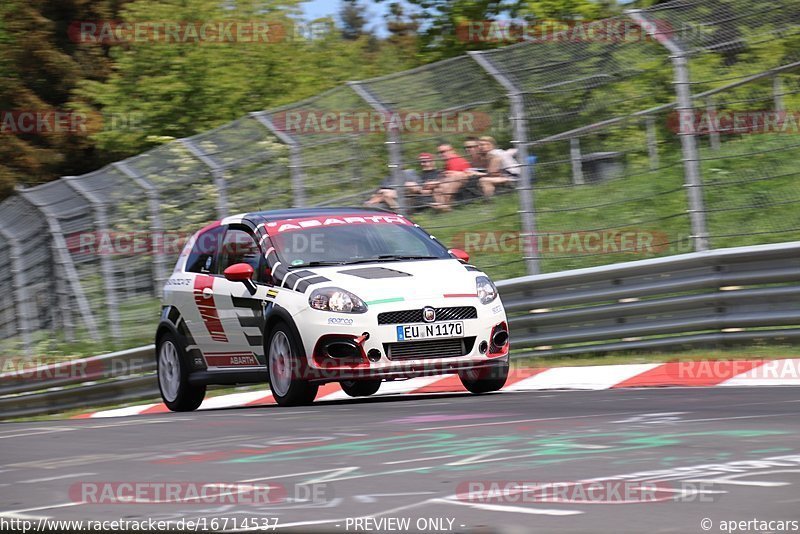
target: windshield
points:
(335, 245)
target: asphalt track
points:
(722, 454)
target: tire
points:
(285, 366)
(485, 380)
(360, 388)
(173, 375)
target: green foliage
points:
(180, 89)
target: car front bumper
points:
(318, 329)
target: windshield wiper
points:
(393, 257)
(317, 263)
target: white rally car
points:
(306, 296)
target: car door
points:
(240, 311)
(193, 291)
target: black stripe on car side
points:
(255, 341)
(279, 272)
(254, 321)
(303, 284)
(246, 302)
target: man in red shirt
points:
(455, 176)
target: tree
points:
(353, 20)
(40, 65)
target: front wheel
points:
(486, 379)
(173, 376)
(360, 388)
(285, 367)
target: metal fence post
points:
(217, 172)
(777, 93)
(62, 258)
(295, 158)
(652, 142)
(21, 295)
(691, 163)
(527, 204)
(157, 241)
(64, 317)
(575, 159)
(713, 134)
(106, 269)
(392, 142)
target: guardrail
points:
(720, 297)
(113, 378)
(717, 297)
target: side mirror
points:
(460, 254)
(239, 272)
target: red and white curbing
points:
(703, 373)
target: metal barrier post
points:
(652, 141)
(392, 142)
(106, 269)
(575, 158)
(713, 135)
(777, 93)
(62, 258)
(295, 158)
(691, 163)
(217, 172)
(21, 295)
(527, 208)
(156, 227)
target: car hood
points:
(411, 280)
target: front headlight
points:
(335, 299)
(486, 290)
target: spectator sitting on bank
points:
(477, 159)
(428, 179)
(421, 185)
(454, 177)
(501, 167)
(386, 194)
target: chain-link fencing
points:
(662, 131)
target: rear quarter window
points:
(203, 257)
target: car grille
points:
(432, 348)
(415, 316)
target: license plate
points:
(427, 331)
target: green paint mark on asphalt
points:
(384, 301)
(520, 448)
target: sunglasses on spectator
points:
(470, 146)
(443, 151)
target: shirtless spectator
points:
(501, 167)
(454, 177)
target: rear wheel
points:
(486, 379)
(360, 388)
(285, 367)
(173, 376)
